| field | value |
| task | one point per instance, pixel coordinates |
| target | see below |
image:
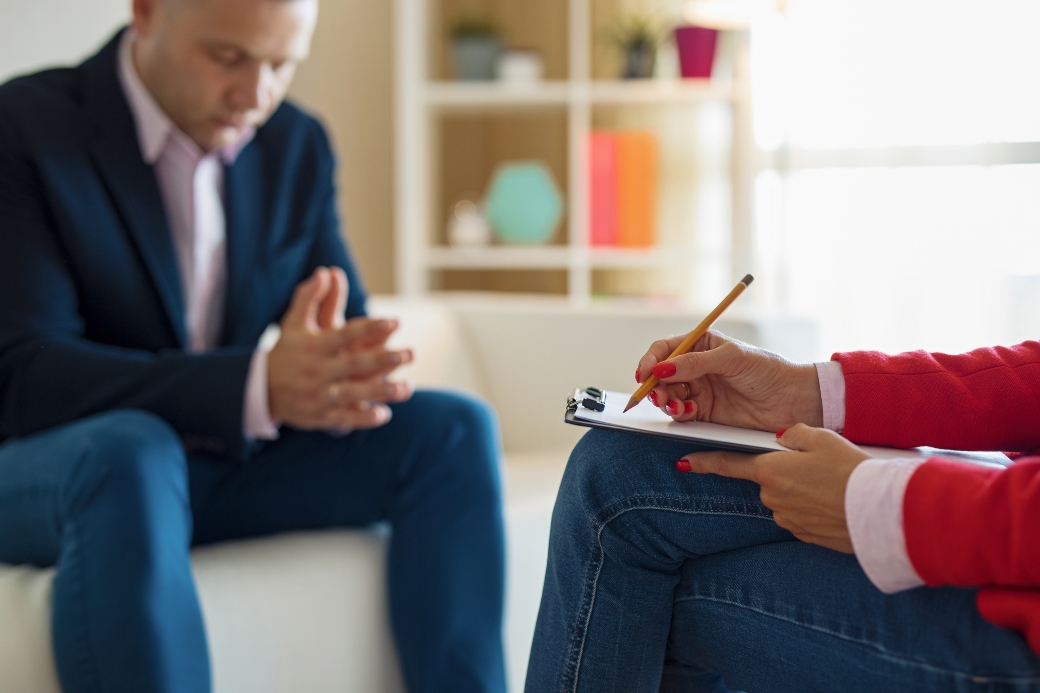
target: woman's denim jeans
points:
(660, 580)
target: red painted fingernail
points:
(665, 369)
(672, 408)
(637, 376)
(653, 397)
(689, 406)
(781, 432)
(683, 466)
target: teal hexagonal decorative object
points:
(523, 203)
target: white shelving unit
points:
(420, 102)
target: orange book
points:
(637, 189)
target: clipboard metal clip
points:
(592, 398)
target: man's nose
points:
(254, 90)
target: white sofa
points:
(306, 612)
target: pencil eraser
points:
(746, 281)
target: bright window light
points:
(945, 258)
(938, 258)
(858, 73)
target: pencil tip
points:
(746, 281)
(628, 406)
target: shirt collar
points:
(154, 127)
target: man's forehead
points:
(263, 28)
(186, 3)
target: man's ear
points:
(144, 16)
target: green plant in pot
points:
(637, 35)
(475, 44)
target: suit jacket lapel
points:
(132, 182)
(245, 200)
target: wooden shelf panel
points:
(658, 91)
(637, 257)
(553, 257)
(458, 95)
(461, 96)
(499, 257)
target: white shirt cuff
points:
(874, 514)
(256, 419)
(832, 390)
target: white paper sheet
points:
(646, 418)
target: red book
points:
(603, 188)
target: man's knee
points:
(465, 430)
(464, 417)
(132, 458)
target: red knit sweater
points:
(965, 525)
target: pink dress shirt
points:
(873, 499)
(191, 183)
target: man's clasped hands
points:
(327, 373)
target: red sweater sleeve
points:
(987, 399)
(969, 525)
(973, 526)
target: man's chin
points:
(219, 137)
(229, 135)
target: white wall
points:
(42, 33)
(348, 83)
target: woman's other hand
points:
(805, 487)
(725, 381)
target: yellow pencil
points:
(692, 338)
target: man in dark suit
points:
(160, 206)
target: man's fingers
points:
(367, 363)
(360, 415)
(330, 313)
(351, 393)
(303, 309)
(732, 464)
(697, 364)
(356, 332)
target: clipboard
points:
(646, 419)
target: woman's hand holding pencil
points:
(725, 381)
(704, 376)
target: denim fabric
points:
(659, 580)
(116, 504)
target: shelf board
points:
(462, 96)
(499, 257)
(658, 91)
(553, 257)
(637, 257)
(459, 95)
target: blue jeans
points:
(663, 581)
(114, 501)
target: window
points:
(899, 205)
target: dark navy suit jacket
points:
(91, 311)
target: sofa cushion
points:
(293, 612)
